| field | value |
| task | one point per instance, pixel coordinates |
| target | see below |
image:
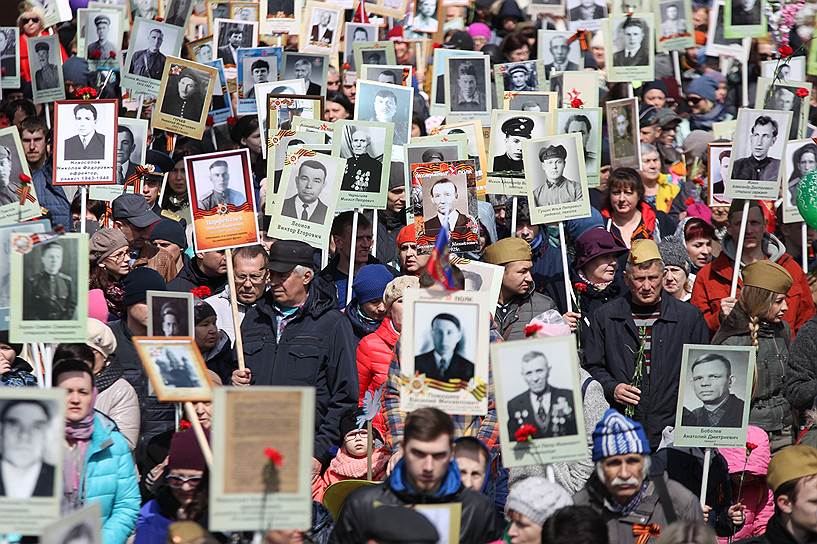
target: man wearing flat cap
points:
(151, 61)
(517, 130)
(636, 49)
(184, 98)
(48, 75)
(518, 78)
(102, 48)
(8, 190)
(556, 189)
(444, 363)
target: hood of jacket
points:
(222, 343)
(191, 272)
(448, 491)
(360, 325)
(758, 461)
(322, 297)
(773, 248)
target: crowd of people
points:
(648, 271)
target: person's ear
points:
(784, 504)
(308, 276)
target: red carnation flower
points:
(802, 92)
(184, 425)
(689, 201)
(532, 328)
(576, 103)
(751, 446)
(580, 287)
(112, 55)
(524, 433)
(24, 178)
(209, 122)
(95, 54)
(232, 120)
(201, 292)
(785, 51)
(275, 456)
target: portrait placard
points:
(630, 47)
(356, 33)
(623, 7)
(444, 351)
(13, 165)
(483, 277)
(674, 25)
(426, 17)
(745, 18)
(388, 8)
(588, 123)
(719, 156)
(714, 395)
(228, 36)
(582, 85)
(801, 158)
(282, 144)
(184, 97)
(367, 148)
(175, 368)
(445, 191)
(99, 37)
(327, 128)
(527, 75)
(529, 368)
(320, 29)
(529, 101)
(313, 68)
(385, 103)
(131, 148)
(394, 74)
(151, 43)
(476, 147)
(255, 66)
(85, 136)
(45, 67)
(546, 7)
(438, 103)
(222, 200)
(308, 197)
(789, 69)
(175, 12)
(716, 43)
(509, 130)
(262, 91)
(170, 314)
(558, 53)
(754, 171)
(445, 517)
(49, 288)
(437, 148)
(585, 14)
(55, 11)
(33, 425)
(468, 84)
(81, 526)
(6, 232)
(280, 16)
(9, 57)
(241, 499)
(283, 108)
(201, 50)
(244, 11)
(623, 132)
(221, 106)
(786, 96)
(374, 53)
(556, 178)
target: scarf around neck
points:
(79, 434)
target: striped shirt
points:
(645, 318)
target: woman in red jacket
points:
(376, 350)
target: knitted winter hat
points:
(100, 337)
(704, 87)
(138, 282)
(202, 310)
(370, 282)
(185, 452)
(397, 287)
(537, 499)
(169, 231)
(617, 434)
(674, 253)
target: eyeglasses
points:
(181, 481)
(692, 100)
(254, 278)
(26, 20)
(120, 256)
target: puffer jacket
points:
(512, 316)
(771, 410)
(374, 354)
(755, 495)
(109, 478)
(477, 521)
(714, 281)
(118, 400)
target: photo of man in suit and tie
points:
(220, 193)
(635, 49)
(306, 204)
(322, 32)
(712, 379)
(228, 52)
(548, 408)
(125, 146)
(87, 144)
(444, 362)
(24, 434)
(150, 62)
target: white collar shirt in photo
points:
(544, 401)
(452, 219)
(20, 482)
(300, 205)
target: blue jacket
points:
(109, 478)
(152, 526)
(52, 197)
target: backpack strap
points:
(664, 498)
(585, 384)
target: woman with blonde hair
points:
(757, 321)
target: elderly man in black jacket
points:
(293, 334)
(645, 332)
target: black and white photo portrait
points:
(28, 431)
(101, 33)
(87, 143)
(309, 185)
(788, 70)
(185, 92)
(632, 45)
(557, 181)
(784, 97)
(530, 102)
(178, 11)
(447, 198)
(11, 166)
(203, 52)
(549, 409)
(127, 152)
(439, 152)
(586, 122)
(230, 35)
(170, 314)
(720, 156)
(50, 294)
(177, 368)
(425, 16)
(745, 12)
(385, 103)
(801, 158)
(758, 157)
(475, 143)
(673, 24)
(362, 147)
(46, 66)
(9, 59)
(557, 54)
(509, 131)
(519, 76)
(280, 9)
(84, 132)
(152, 43)
(393, 75)
(469, 82)
(323, 27)
(586, 13)
(260, 70)
(712, 379)
(442, 341)
(215, 189)
(357, 33)
(244, 11)
(309, 67)
(623, 131)
(147, 9)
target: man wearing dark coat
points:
(23, 471)
(516, 130)
(321, 32)
(150, 62)
(443, 363)
(229, 52)
(184, 99)
(711, 377)
(48, 75)
(362, 172)
(49, 295)
(549, 409)
(88, 144)
(636, 49)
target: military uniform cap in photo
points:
(518, 126)
(41, 46)
(429, 155)
(102, 19)
(519, 68)
(507, 250)
(767, 275)
(552, 152)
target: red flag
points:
(360, 13)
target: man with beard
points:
(557, 189)
(362, 171)
(48, 75)
(517, 130)
(559, 49)
(151, 61)
(184, 99)
(221, 194)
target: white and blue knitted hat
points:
(617, 434)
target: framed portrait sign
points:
(509, 130)
(790, 69)
(240, 498)
(714, 395)
(366, 146)
(557, 52)
(307, 197)
(170, 314)
(222, 200)
(85, 140)
(131, 141)
(387, 8)
(585, 14)
(228, 36)
(438, 99)
(49, 288)
(445, 517)
(151, 43)
(476, 147)
(426, 17)
(801, 157)
(445, 191)
(630, 47)
(175, 12)
(674, 27)
(6, 231)
(529, 368)
(45, 67)
(527, 75)
(283, 108)
(327, 128)
(281, 145)
(751, 175)
(9, 57)
(175, 368)
(13, 165)
(255, 66)
(374, 53)
(744, 18)
(201, 50)
(717, 43)
(583, 85)
(393, 74)
(786, 96)
(244, 11)
(289, 87)
(83, 526)
(357, 33)
(480, 276)
(444, 351)
(55, 11)
(588, 123)
(556, 178)
(99, 37)
(34, 432)
(437, 148)
(529, 101)
(320, 28)
(468, 84)
(385, 103)
(280, 16)
(184, 97)
(221, 105)
(313, 68)
(623, 132)
(547, 7)
(719, 156)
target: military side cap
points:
(41, 46)
(553, 152)
(790, 464)
(518, 126)
(767, 275)
(519, 68)
(102, 19)
(644, 251)
(507, 250)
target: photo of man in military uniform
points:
(221, 194)
(48, 75)
(516, 130)
(362, 171)
(102, 48)
(556, 189)
(50, 294)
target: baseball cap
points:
(134, 209)
(284, 255)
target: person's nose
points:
(428, 464)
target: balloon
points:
(807, 198)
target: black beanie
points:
(138, 282)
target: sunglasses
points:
(692, 100)
(179, 481)
(26, 20)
